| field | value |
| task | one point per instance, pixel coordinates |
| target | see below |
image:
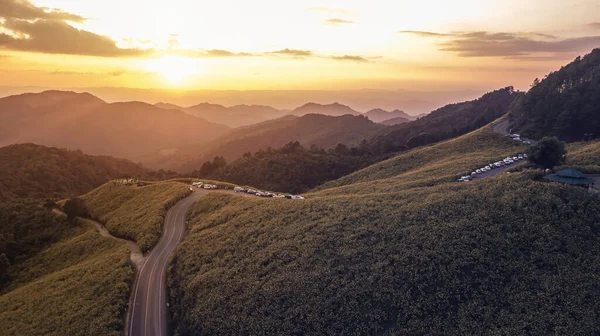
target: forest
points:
(565, 104)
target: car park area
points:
(493, 168)
(248, 191)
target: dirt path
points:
(136, 256)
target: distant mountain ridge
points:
(380, 115)
(334, 109)
(82, 121)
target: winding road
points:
(148, 305)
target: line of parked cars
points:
(505, 162)
(265, 193)
(205, 185)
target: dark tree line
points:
(565, 104)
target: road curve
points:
(148, 306)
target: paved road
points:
(148, 306)
(503, 128)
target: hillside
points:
(379, 115)
(400, 249)
(335, 109)
(313, 129)
(234, 116)
(168, 106)
(446, 122)
(566, 103)
(34, 171)
(132, 212)
(82, 121)
(395, 121)
(291, 168)
(53, 273)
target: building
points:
(571, 176)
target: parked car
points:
(473, 174)
(488, 168)
(239, 189)
(288, 196)
(520, 156)
(478, 171)
(297, 197)
(279, 196)
(251, 191)
(527, 142)
(525, 155)
(515, 158)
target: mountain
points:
(395, 121)
(33, 171)
(399, 248)
(446, 122)
(334, 109)
(168, 106)
(291, 168)
(82, 121)
(379, 115)
(566, 103)
(234, 116)
(312, 129)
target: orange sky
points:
(268, 44)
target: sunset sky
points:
(275, 44)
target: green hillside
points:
(427, 165)
(54, 290)
(132, 212)
(395, 250)
(29, 170)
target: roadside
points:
(136, 256)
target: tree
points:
(4, 264)
(75, 207)
(548, 152)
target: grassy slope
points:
(132, 212)
(77, 286)
(427, 165)
(504, 255)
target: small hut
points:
(571, 176)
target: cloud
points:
(350, 58)
(209, 53)
(38, 29)
(337, 22)
(292, 52)
(421, 33)
(25, 10)
(531, 46)
(329, 10)
(594, 25)
(513, 45)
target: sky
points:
(291, 45)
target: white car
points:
(238, 189)
(520, 156)
(473, 174)
(525, 156)
(527, 142)
(297, 197)
(515, 158)
(488, 168)
(478, 171)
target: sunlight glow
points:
(175, 69)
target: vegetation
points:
(447, 122)
(584, 153)
(548, 152)
(56, 270)
(75, 207)
(505, 255)
(565, 104)
(132, 212)
(427, 166)
(292, 168)
(312, 129)
(34, 171)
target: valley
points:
(107, 234)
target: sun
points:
(174, 69)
